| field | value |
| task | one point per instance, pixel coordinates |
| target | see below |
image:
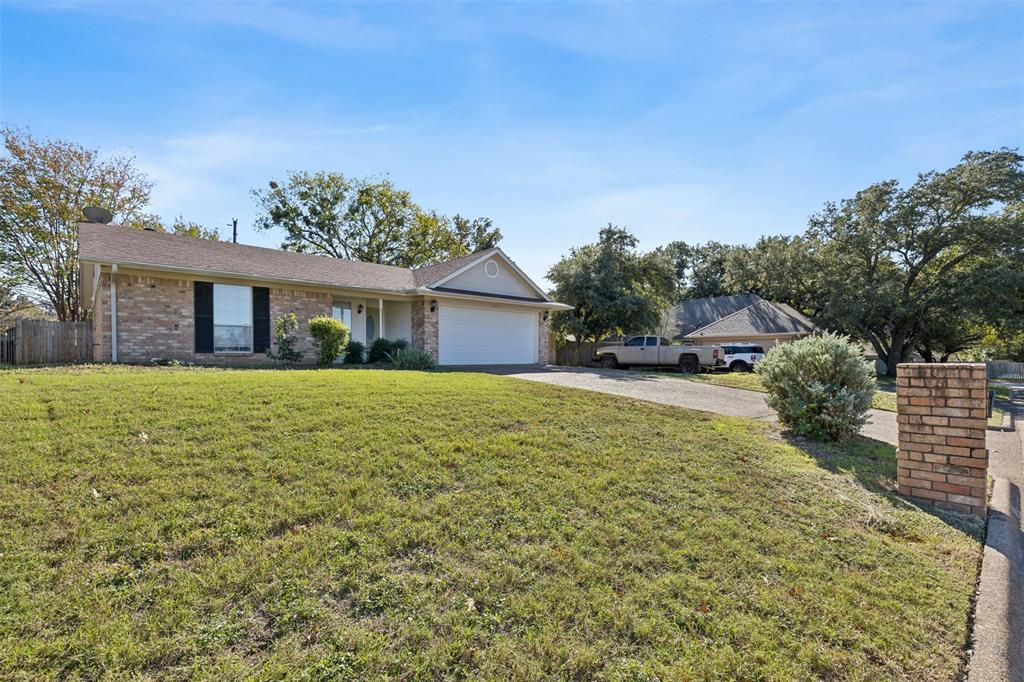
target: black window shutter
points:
(204, 316)
(260, 319)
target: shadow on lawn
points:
(873, 464)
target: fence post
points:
(18, 343)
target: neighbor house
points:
(739, 318)
(156, 295)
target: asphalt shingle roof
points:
(761, 317)
(116, 244)
(695, 313)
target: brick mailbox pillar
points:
(942, 415)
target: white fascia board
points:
(541, 305)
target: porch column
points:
(380, 302)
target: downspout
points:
(95, 284)
(380, 303)
(113, 312)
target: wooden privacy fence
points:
(41, 342)
(565, 353)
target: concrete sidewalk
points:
(999, 613)
(669, 390)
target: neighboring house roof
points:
(162, 251)
(760, 318)
(695, 313)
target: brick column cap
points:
(938, 366)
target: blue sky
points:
(677, 120)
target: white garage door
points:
(486, 336)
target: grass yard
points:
(177, 523)
(883, 400)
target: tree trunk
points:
(898, 352)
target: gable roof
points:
(762, 317)
(472, 260)
(162, 251)
(695, 313)
(430, 274)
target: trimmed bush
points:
(408, 358)
(399, 344)
(820, 386)
(355, 353)
(330, 337)
(379, 350)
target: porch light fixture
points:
(546, 314)
(433, 306)
(359, 309)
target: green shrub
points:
(379, 350)
(399, 344)
(330, 336)
(355, 353)
(410, 358)
(285, 339)
(820, 386)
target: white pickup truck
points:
(660, 352)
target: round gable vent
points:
(491, 269)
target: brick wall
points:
(941, 412)
(155, 319)
(424, 328)
(543, 339)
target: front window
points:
(652, 341)
(635, 341)
(232, 319)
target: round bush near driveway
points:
(820, 386)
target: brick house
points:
(155, 295)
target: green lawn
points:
(883, 400)
(175, 523)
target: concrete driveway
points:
(674, 390)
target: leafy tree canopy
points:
(700, 268)
(43, 187)
(365, 219)
(906, 268)
(614, 288)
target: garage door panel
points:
(486, 336)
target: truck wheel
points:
(739, 366)
(688, 366)
(609, 362)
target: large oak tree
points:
(613, 288)
(365, 219)
(906, 267)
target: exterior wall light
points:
(433, 306)
(359, 309)
(546, 315)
